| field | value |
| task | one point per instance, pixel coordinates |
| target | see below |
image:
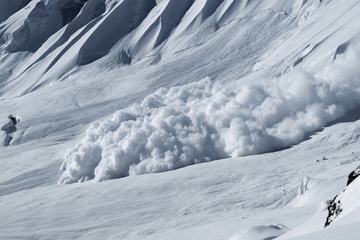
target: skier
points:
(10, 129)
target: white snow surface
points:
(261, 232)
(114, 89)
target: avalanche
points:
(205, 121)
(123, 89)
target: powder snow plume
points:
(206, 120)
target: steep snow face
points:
(29, 28)
(67, 34)
(9, 7)
(119, 22)
(158, 26)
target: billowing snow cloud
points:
(205, 121)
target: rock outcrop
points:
(344, 202)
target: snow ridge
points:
(29, 28)
(119, 22)
(64, 35)
(9, 7)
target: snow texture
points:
(205, 121)
(261, 232)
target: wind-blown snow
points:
(205, 121)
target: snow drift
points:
(205, 121)
(261, 232)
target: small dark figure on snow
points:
(353, 175)
(10, 129)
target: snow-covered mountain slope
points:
(112, 88)
(148, 33)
